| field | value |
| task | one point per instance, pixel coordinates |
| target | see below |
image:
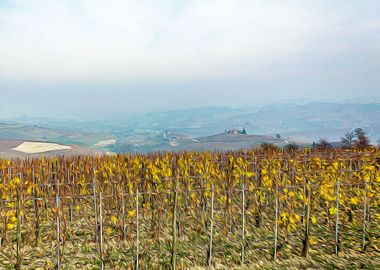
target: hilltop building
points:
(235, 131)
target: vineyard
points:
(178, 211)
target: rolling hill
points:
(198, 128)
(176, 142)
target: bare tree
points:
(356, 138)
(362, 142)
(348, 140)
(358, 132)
(323, 143)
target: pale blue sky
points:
(67, 57)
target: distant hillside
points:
(81, 143)
(195, 129)
(225, 141)
(24, 132)
(303, 122)
(8, 150)
(175, 142)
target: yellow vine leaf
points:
(108, 230)
(114, 220)
(333, 211)
(313, 220)
(354, 201)
(131, 213)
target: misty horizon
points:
(87, 106)
(68, 59)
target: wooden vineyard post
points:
(123, 213)
(351, 213)
(258, 218)
(18, 243)
(95, 205)
(305, 250)
(21, 181)
(203, 203)
(337, 217)
(243, 225)
(211, 228)
(364, 216)
(57, 202)
(276, 226)
(101, 230)
(36, 208)
(174, 236)
(137, 230)
(304, 207)
(73, 194)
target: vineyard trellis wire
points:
(136, 195)
(302, 191)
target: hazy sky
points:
(70, 57)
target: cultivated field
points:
(33, 149)
(243, 209)
(39, 147)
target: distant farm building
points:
(235, 131)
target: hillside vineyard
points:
(189, 209)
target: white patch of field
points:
(105, 142)
(39, 147)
